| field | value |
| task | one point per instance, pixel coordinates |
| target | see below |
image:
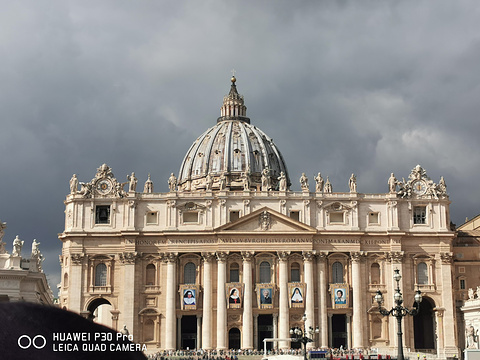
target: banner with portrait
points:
(296, 294)
(265, 293)
(189, 296)
(234, 295)
(340, 295)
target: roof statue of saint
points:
(230, 151)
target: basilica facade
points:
(231, 256)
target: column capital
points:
(308, 255)
(283, 255)
(357, 256)
(247, 255)
(394, 256)
(129, 257)
(77, 259)
(321, 255)
(446, 257)
(208, 256)
(222, 256)
(170, 257)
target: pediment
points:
(266, 220)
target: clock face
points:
(104, 186)
(419, 187)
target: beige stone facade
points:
(230, 256)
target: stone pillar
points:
(396, 259)
(247, 327)
(207, 301)
(179, 331)
(275, 329)
(358, 290)
(199, 332)
(330, 335)
(128, 260)
(308, 257)
(283, 319)
(322, 299)
(221, 301)
(349, 331)
(76, 282)
(171, 291)
(255, 331)
(448, 317)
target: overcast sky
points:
(364, 87)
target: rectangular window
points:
(462, 284)
(420, 215)
(102, 214)
(295, 215)
(152, 217)
(336, 218)
(295, 275)
(234, 215)
(190, 217)
(373, 218)
(234, 275)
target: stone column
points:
(396, 259)
(275, 329)
(444, 323)
(247, 327)
(221, 301)
(322, 299)
(255, 331)
(330, 335)
(207, 301)
(128, 260)
(283, 319)
(76, 282)
(308, 257)
(199, 332)
(171, 291)
(358, 310)
(179, 331)
(349, 331)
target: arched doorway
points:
(100, 312)
(234, 338)
(424, 326)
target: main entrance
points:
(339, 331)
(189, 332)
(424, 328)
(265, 330)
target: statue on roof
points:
(319, 183)
(172, 182)
(304, 182)
(266, 179)
(74, 184)
(17, 246)
(352, 183)
(392, 184)
(132, 182)
(282, 182)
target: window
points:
(373, 218)
(337, 273)
(422, 271)
(65, 280)
(150, 275)
(295, 215)
(151, 217)
(295, 272)
(234, 272)
(234, 215)
(149, 330)
(463, 286)
(375, 274)
(190, 217)
(102, 214)
(189, 273)
(265, 275)
(336, 218)
(420, 215)
(101, 275)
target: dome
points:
(232, 149)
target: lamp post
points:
(301, 335)
(398, 310)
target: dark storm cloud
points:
(343, 86)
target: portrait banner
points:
(234, 295)
(296, 295)
(188, 296)
(265, 293)
(340, 295)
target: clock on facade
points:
(104, 186)
(419, 187)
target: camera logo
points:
(38, 341)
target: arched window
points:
(150, 275)
(189, 273)
(65, 280)
(337, 272)
(375, 274)
(422, 271)
(234, 272)
(149, 330)
(265, 274)
(295, 272)
(101, 275)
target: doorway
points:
(189, 332)
(265, 330)
(339, 331)
(234, 339)
(424, 326)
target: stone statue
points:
(442, 186)
(2, 247)
(282, 182)
(208, 182)
(35, 249)
(148, 187)
(352, 183)
(124, 331)
(132, 182)
(172, 182)
(304, 182)
(471, 338)
(246, 181)
(319, 183)
(392, 184)
(328, 186)
(471, 294)
(265, 179)
(86, 189)
(74, 184)
(119, 188)
(17, 246)
(223, 181)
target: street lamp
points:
(398, 310)
(300, 335)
